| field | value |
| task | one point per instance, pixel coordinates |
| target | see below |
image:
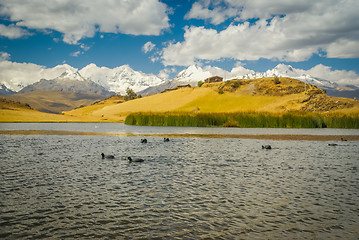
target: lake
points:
(59, 187)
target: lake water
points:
(59, 187)
(122, 128)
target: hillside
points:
(54, 101)
(260, 95)
(11, 111)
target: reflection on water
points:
(59, 187)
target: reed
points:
(244, 120)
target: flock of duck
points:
(144, 140)
(130, 159)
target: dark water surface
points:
(58, 187)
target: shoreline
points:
(283, 137)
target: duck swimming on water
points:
(266, 147)
(144, 140)
(135, 159)
(107, 156)
(166, 139)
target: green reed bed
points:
(244, 120)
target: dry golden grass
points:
(164, 102)
(24, 115)
(54, 101)
(259, 95)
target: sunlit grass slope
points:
(111, 110)
(253, 95)
(11, 111)
(54, 101)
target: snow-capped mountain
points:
(69, 81)
(192, 75)
(282, 70)
(120, 78)
(4, 90)
(114, 80)
(71, 74)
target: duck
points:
(332, 144)
(266, 147)
(135, 159)
(107, 156)
(166, 139)
(144, 140)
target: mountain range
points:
(118, 79)
(69, 82)
(95, 83)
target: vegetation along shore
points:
(245, 120)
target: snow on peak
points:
(282, 70)
(193, 74)
(71, 75)
(120, 78)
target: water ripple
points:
(60, 187)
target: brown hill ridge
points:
(13, 105)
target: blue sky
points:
(255, 34)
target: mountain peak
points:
(193, 73)
(71, 75)
(282, 67)
(120, 78)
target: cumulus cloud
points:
(218, 14)
(148, 47)
(282, 30)
(15, 75)
(12, 31)
(166, 73)
(341, 77)
(78, 19)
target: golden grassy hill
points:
(54, 101)
(11, 111)
(253, 95)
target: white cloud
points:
(217, 15)
(84, 47)
(343, 48)
(76, 54)
(148, 47)
(78, 19)
(341, 77)
(298, 30)
(17, 75)
(12, 31)
(4, 56)
(167, 73)
(241, 71)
